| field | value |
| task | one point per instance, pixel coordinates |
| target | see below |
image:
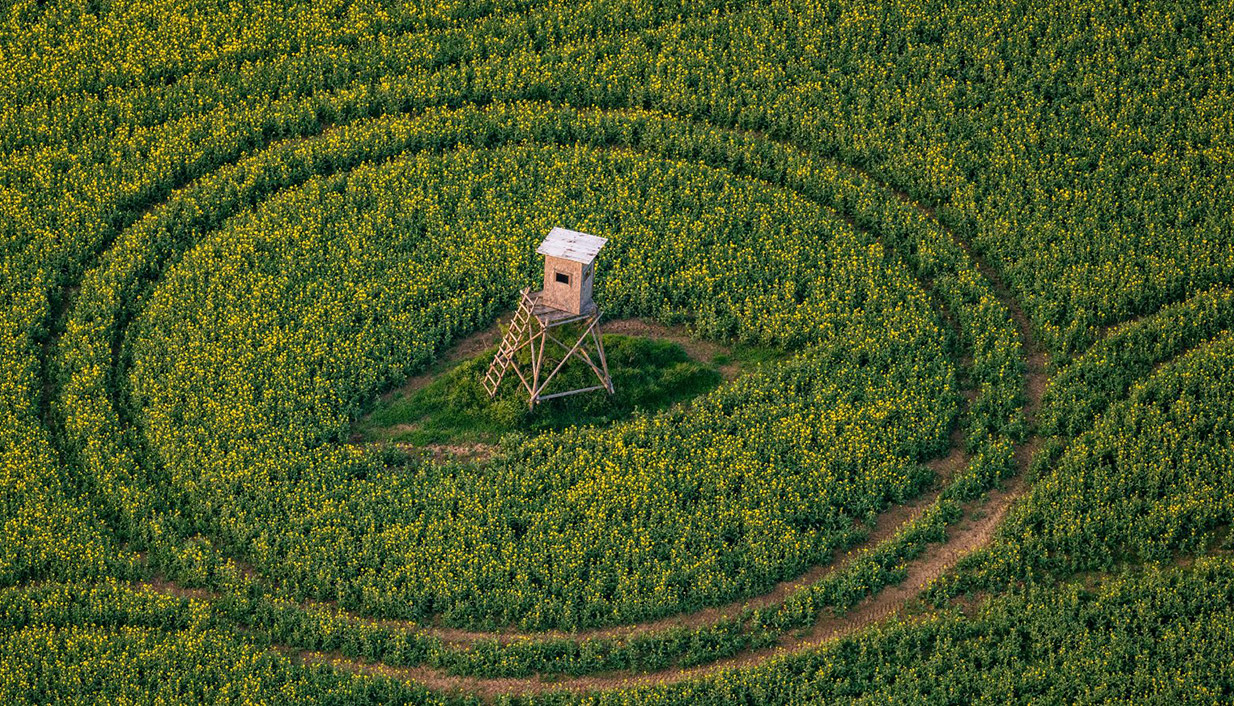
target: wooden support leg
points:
(569, 354)
(599, 339)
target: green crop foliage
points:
(227, 229)
(1149, 481)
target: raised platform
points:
(549, 316)
(530, 330)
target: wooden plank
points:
(581, 353)
(569, 354)
(599, 339)
(541, 398)
(519, 373)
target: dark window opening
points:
(563, 278)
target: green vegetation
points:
(1152, 632)
(226, 228)
(1084, 388)
(1159, 634)
(1152, 480)
(648, 375)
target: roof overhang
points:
(571, 245)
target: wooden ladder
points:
(509, 344)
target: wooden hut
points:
(562, 309)
(569, 258)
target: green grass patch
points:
(453, 408)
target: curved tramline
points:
(960, 541)
(773, 595)
(864, 224)
(953, 457)
(887, 603)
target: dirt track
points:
(937, 559)
(886, 525)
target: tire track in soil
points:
(933, 563)
(886, 525)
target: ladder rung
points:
(505, 350)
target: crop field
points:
(919, 316)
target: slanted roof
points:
(571, 245)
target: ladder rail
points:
(509, 344)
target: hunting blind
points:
(560, 312)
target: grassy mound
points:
(648, 375)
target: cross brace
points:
(531, 328)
